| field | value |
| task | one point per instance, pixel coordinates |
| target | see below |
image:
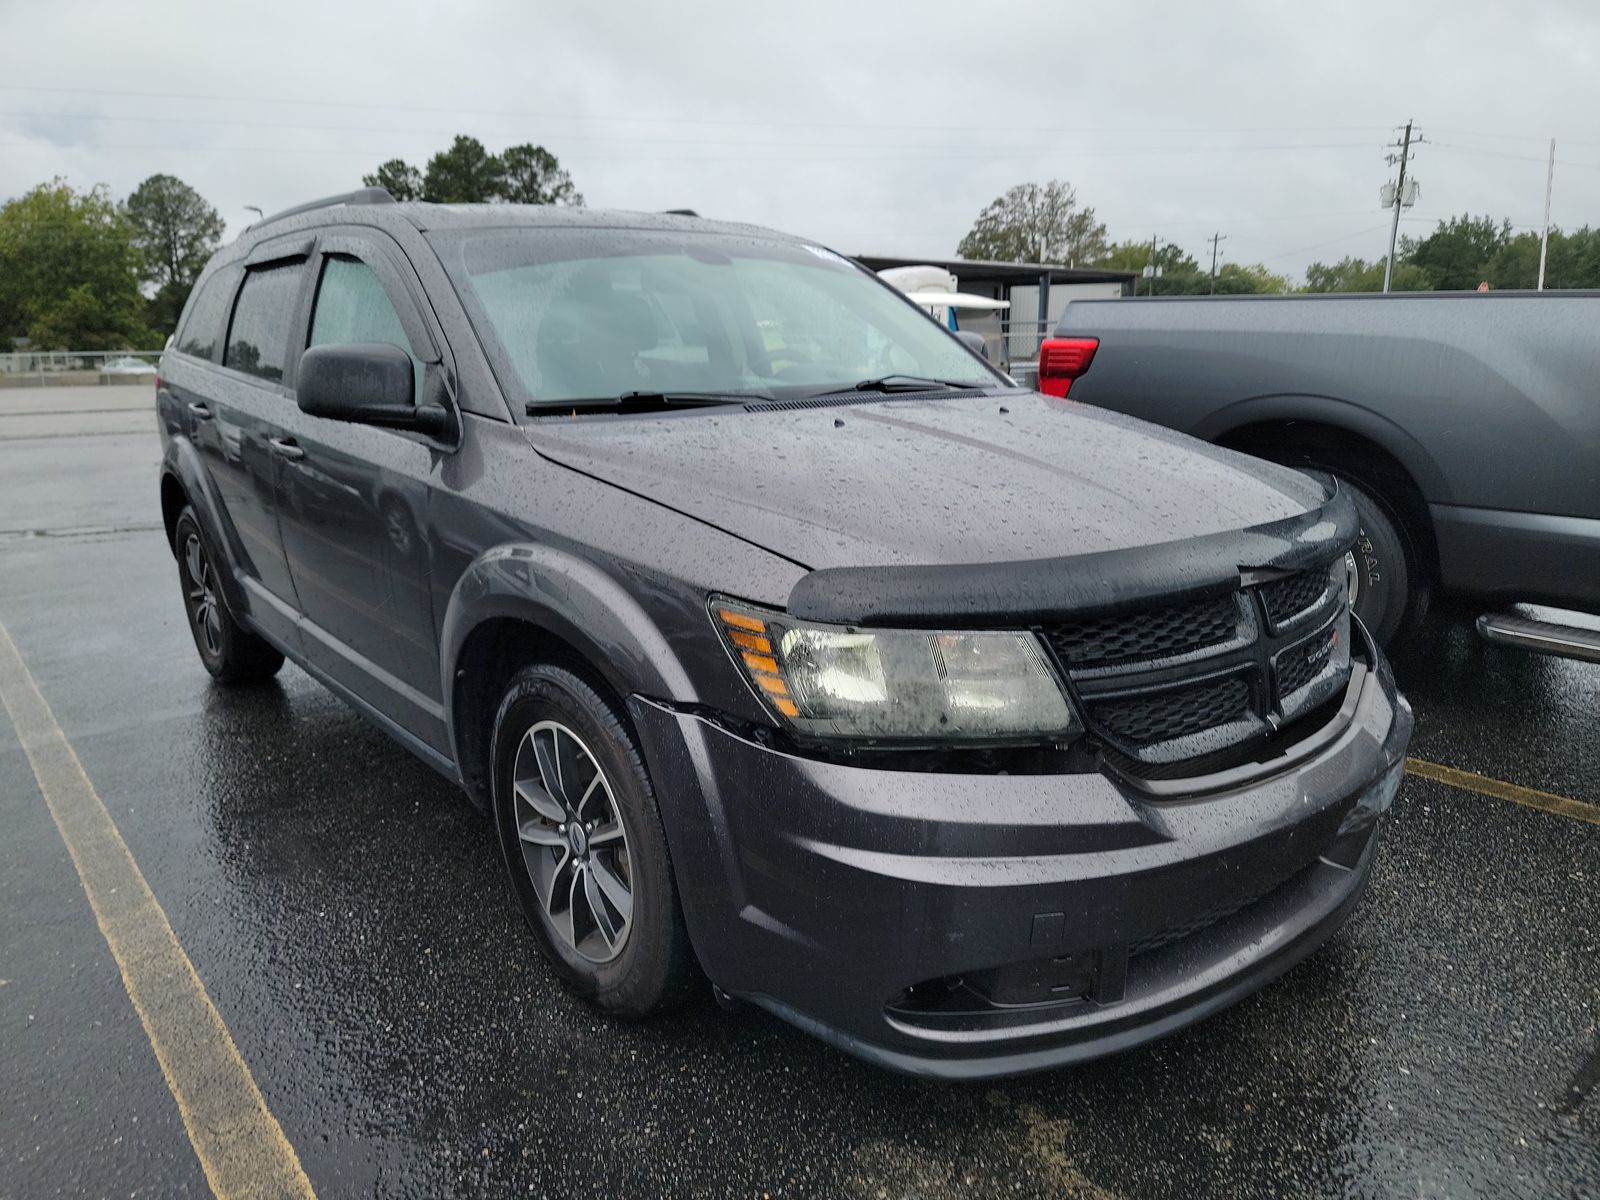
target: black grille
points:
(1204, 919)
(1151, 633)
(1303, 663)
(1174, 713)
(1290, 596)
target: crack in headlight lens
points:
(836, 681)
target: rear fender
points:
(1337, 414)
(181, 461)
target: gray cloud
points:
(881, 128)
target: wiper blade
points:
(640, 401)
(909, 383)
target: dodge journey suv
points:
(787, 644)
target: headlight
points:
(836, 681)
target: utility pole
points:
(1155, 240)
(1215, 238)
(1399, 199)
(1544, 238)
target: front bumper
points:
(851, 900)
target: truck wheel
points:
(228, 650)
(1389, 596)
(584, 846)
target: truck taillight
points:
(1061, 360)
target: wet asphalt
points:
(346, 912)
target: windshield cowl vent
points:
(844, 398)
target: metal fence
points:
(44, 368)
(1022, 340)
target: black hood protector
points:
(1036, 589)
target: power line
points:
(302, 101)
(944, 154)
(1344, 237)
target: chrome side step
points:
(1542, 637)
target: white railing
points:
(44, 368)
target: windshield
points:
(590, 315)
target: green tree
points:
(531, 175)
(175, 231)
(397, 177)
(1036, 222)
(1458, 253)
(1240, 279)
(466, 173)
(1359, 275)
(1180, 273)
(69, 271)
(1572, 261)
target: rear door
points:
(237, 425)
(353, 499)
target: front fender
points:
(576, 601)
(1338, 414)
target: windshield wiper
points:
(640, 402)
(908, 383)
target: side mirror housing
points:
(366, 383)
(974, 342)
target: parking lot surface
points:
(345, 914)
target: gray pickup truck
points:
(1466, 425)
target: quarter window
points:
(353, 307)
(258, 339)
(202, 327)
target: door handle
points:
(287, 448)
(201, 412)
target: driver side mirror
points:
(974, 342)
(366, 383)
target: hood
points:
(1001, 478)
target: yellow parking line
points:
(1562, 806)
(241, 1147)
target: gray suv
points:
(786, 643)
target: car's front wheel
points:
(584, 845)
(230, 652)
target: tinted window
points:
(353, 307)
(202, 327)
(258, 339)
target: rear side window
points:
(353, 307)
(202, 327)
(258, 339)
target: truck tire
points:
(1390, 597)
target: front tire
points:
(584, 846)
(229, 651)
(1390, 597)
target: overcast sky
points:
(875, 128)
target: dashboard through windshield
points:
(583, 316)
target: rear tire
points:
(584, 846)
(229, 651)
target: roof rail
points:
(679, 212)
(368, 195)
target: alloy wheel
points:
(574, 845)
(204, 607)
